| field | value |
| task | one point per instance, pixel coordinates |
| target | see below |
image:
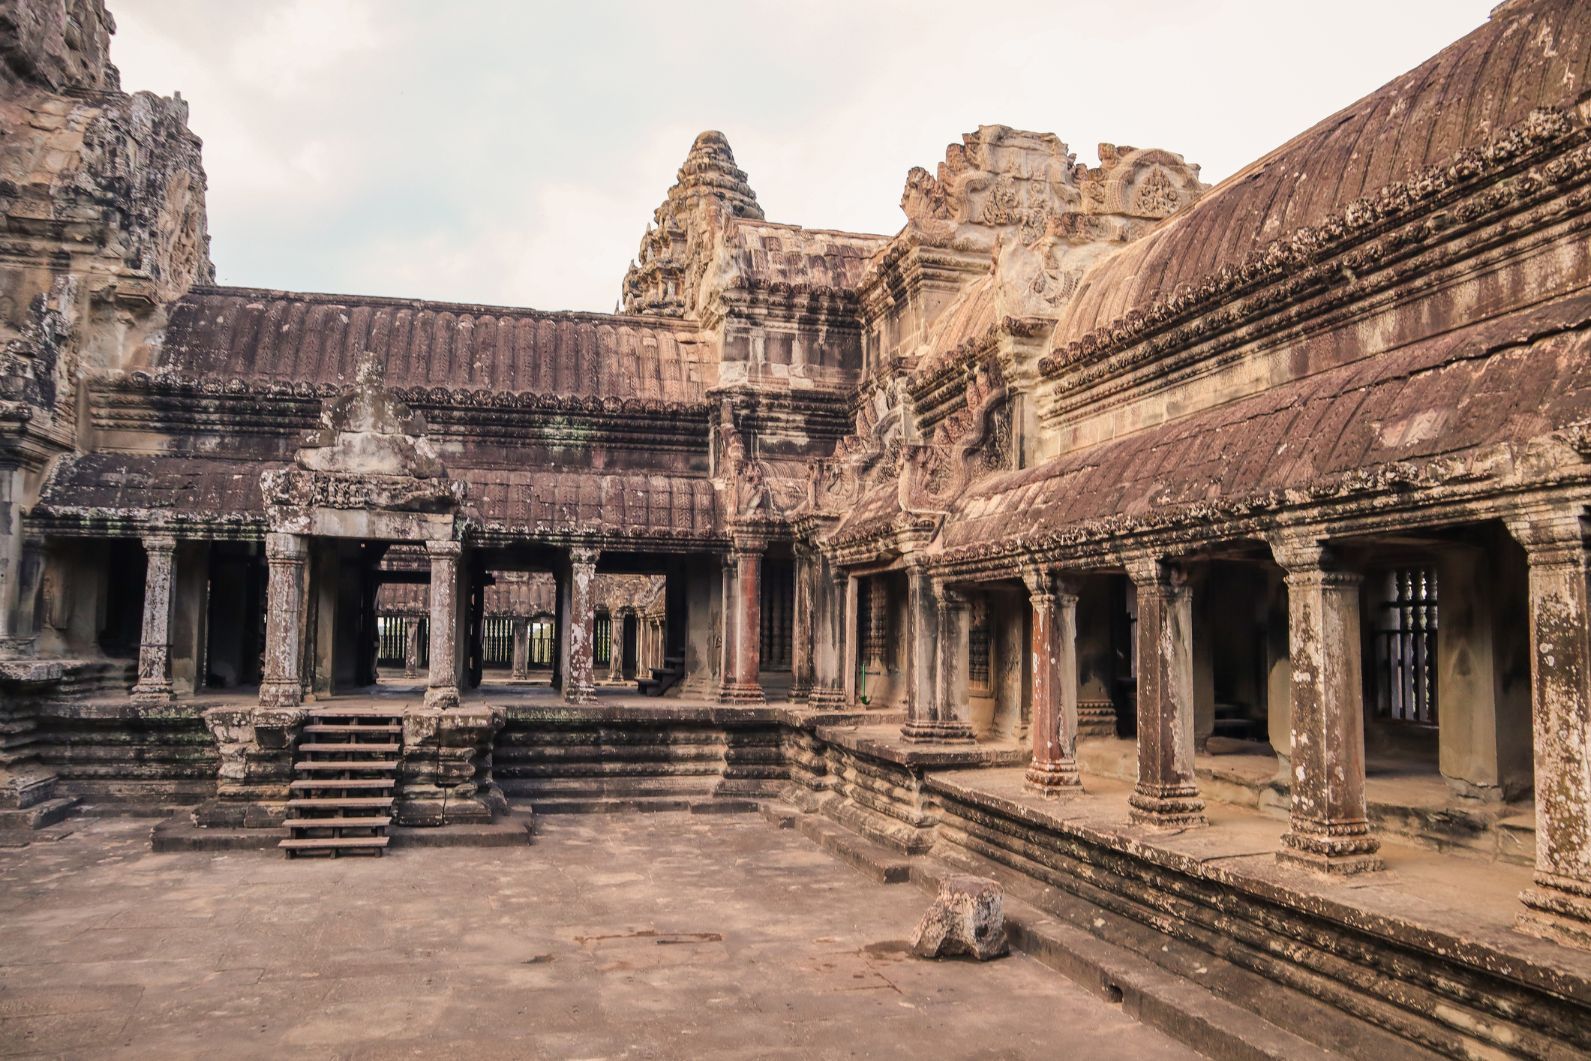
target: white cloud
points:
(498, 151)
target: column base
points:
(925, 731)
(1559, 909)
(18, 647)
(579, 693)
(281, 694)
(741, 693)
(1052, 779)
(827, 698)
(1167, 807)
(1337, 849)
(442, 697)
(152, 694)
(800, 692)
(411, 672)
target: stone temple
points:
(1212, 559)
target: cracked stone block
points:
(967, 917)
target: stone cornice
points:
(1477, 185)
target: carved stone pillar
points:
(615, 646)
(154, 645)
(726, 613)
(937, 680)
(281, 682)
(1559, 906)
(1329, 830)
(745, 619)
(850, 638)
(19, 616)
(921, 615)
(411, 647)
(804, 632)
(578, 687)
(521, 651)
(1167, 794)
(442, 684)
(828, 633)
(1053, 770)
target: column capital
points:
(1307, 560)
(159, 542)
(1156, 572)
(1556, 536)
(286, 548)
(584, 554)
(446, 547)
(952, 598)
(742, 547)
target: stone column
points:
(1053, 656)
(411, 646)
(805, 628)
(281, 682)
(19, 617)
(921, 613)
(579, 688)
(850, 637)
(154, 646)
(442, 684)
(1559, 906)
(521, 653)
(1329, 831)
(828, 633)
(952, 718)
(1167, 794)
(746, 687)
(726, 615)
(615, 646)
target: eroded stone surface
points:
(967, 918)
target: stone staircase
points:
(663, 678)
(344, 779)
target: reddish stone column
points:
(1167, 794)
(727, 624)
(286, 557)
(802, 636)
(442, 684)
(1559, 906)
(1329, 830)
(1053, 770)
(745, 685)
(578, 686)
(154, 646)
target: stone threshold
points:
(1414, 807)
(179, 833)
(1422, 900)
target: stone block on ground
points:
(967, 917)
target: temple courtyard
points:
(658, 935)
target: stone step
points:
(351, 746)
(335, 715)
(341, 803)
(371, 822)
(329, 727)
(347, 782)
(332, 844)
(39, 815)
(352, 766)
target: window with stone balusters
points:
(875, 622)
(1403, 677)
(603, 633)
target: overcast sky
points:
(512, 152)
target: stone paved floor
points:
(614, 936)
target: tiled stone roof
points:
(224, 333)
(1507, 380)
(1531, 54)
